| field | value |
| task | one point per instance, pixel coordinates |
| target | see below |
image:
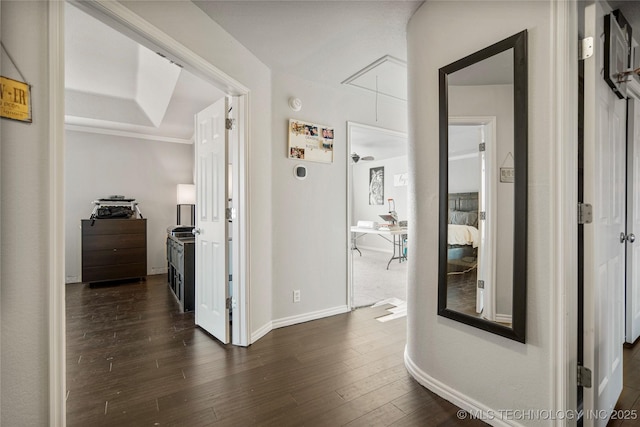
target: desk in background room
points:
(393, 236)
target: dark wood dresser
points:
(113, 249)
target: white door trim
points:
(564, 121)
(57, 341)
(133, 25)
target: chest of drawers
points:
(113, 249)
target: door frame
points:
(488, 242)
(132, 25)
(563, 120)
(633, 92)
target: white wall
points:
(502, 373)
(310, 237)
(362, 210)
(97, 166)
(464, 175)
(187, 24)
(24, 210)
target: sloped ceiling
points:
(114, 84)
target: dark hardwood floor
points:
(461, 292)
(134, 360)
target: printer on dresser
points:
(181, 265)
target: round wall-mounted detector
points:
(295, 104)
(300, 171)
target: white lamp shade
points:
(186, 194)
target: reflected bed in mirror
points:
(483, 189)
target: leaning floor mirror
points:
(483, 189)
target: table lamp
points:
(187, 197)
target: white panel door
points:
(633, 222)
(212, 291)
(604, 263)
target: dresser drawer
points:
(113, 256)
(113, 226)
(114, 241)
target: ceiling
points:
(320, 41)
(357, 43)
(378, 143)
(113, 83)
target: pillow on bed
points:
(463, 218)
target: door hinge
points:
(230, 213)
(230, 124)
(480, 284)
(482, 147)
(584, 376)
(585, 213)
(585, 48)
(483, 215)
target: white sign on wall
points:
(401, 179)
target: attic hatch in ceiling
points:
(387, 76)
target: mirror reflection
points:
(483, 138)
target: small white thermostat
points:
(300, 172)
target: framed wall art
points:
(376, 186)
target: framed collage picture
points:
(310, 141)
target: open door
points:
(632, 330)
(604, 238)
(212, 291)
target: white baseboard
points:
(504, 318)
(473, 407)
(306, 317)
(262, 331)
(72, 279)
(294, 320)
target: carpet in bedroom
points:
(372, 282)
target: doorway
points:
(132, 25)
(473, 172)
(236, 190)
(377, 264)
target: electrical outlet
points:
(296, 295)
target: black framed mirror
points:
(483, 189)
